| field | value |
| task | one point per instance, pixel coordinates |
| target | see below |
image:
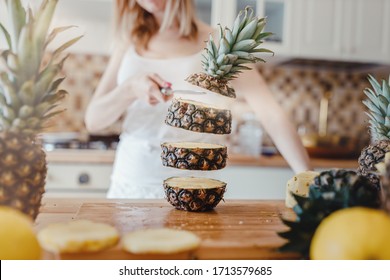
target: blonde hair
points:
(137, 25)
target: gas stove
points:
(54, 141)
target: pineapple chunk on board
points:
(160, 241)
(78, 236)
(299, 185)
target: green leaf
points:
(374, 83)
(372, 107)
(17, 20)
(66, 45)
(386, 90)
(54, 33)
(7, 36)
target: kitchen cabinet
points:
(343, 30)
(352, 30)
(254, 182)
(78, 179)
(279, 13)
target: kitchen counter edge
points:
(108, 156)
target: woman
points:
(161, 42)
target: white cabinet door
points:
(319, 28)
(368, 34)
(250, 182)
(352, 30)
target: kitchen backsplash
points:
(297, 85)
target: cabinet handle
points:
(84, 178)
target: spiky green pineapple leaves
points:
(378, 104)
(236, 47)
(29, 90)
(331, 190)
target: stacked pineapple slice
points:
(221, 64)
(29, 91)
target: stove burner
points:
(94, 143)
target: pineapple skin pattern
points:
(29, 94)
(197, 200)
(193, 158)
(22, 173)
(197, 118)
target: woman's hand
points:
(148, 87)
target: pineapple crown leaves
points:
(330, 191)
(378, 104)
(29, 89)
(237, 46)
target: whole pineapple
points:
(28, 94)
(236, 47)
(332, 190)
(378, 105)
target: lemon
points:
(17, 237)
(356, 233)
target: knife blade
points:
(169, 91)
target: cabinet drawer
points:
(78, 176)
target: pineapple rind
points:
(206, 158)
(22, 173)
(194, 116)
(191, 196)
(212, 84)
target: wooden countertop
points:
(107, 157)
(236, 229)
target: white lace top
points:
(138, 170)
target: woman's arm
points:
(110, 100)
(273, 118)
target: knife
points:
(167, 91)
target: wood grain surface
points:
(245, 229)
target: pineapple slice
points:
(299, 185)
(160, 241)
(199, 117)
(194, 156)
(194, 194)
(78, 236)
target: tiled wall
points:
(298, 86)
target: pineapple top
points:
(28, 87)
(378, 104)
(236, 47)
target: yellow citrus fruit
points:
(17, 237)
(356, 233)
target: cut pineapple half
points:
(199, 117)
(160, 241)
(77, 236)
(194, 156)
(299, 185)
(193, 193)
